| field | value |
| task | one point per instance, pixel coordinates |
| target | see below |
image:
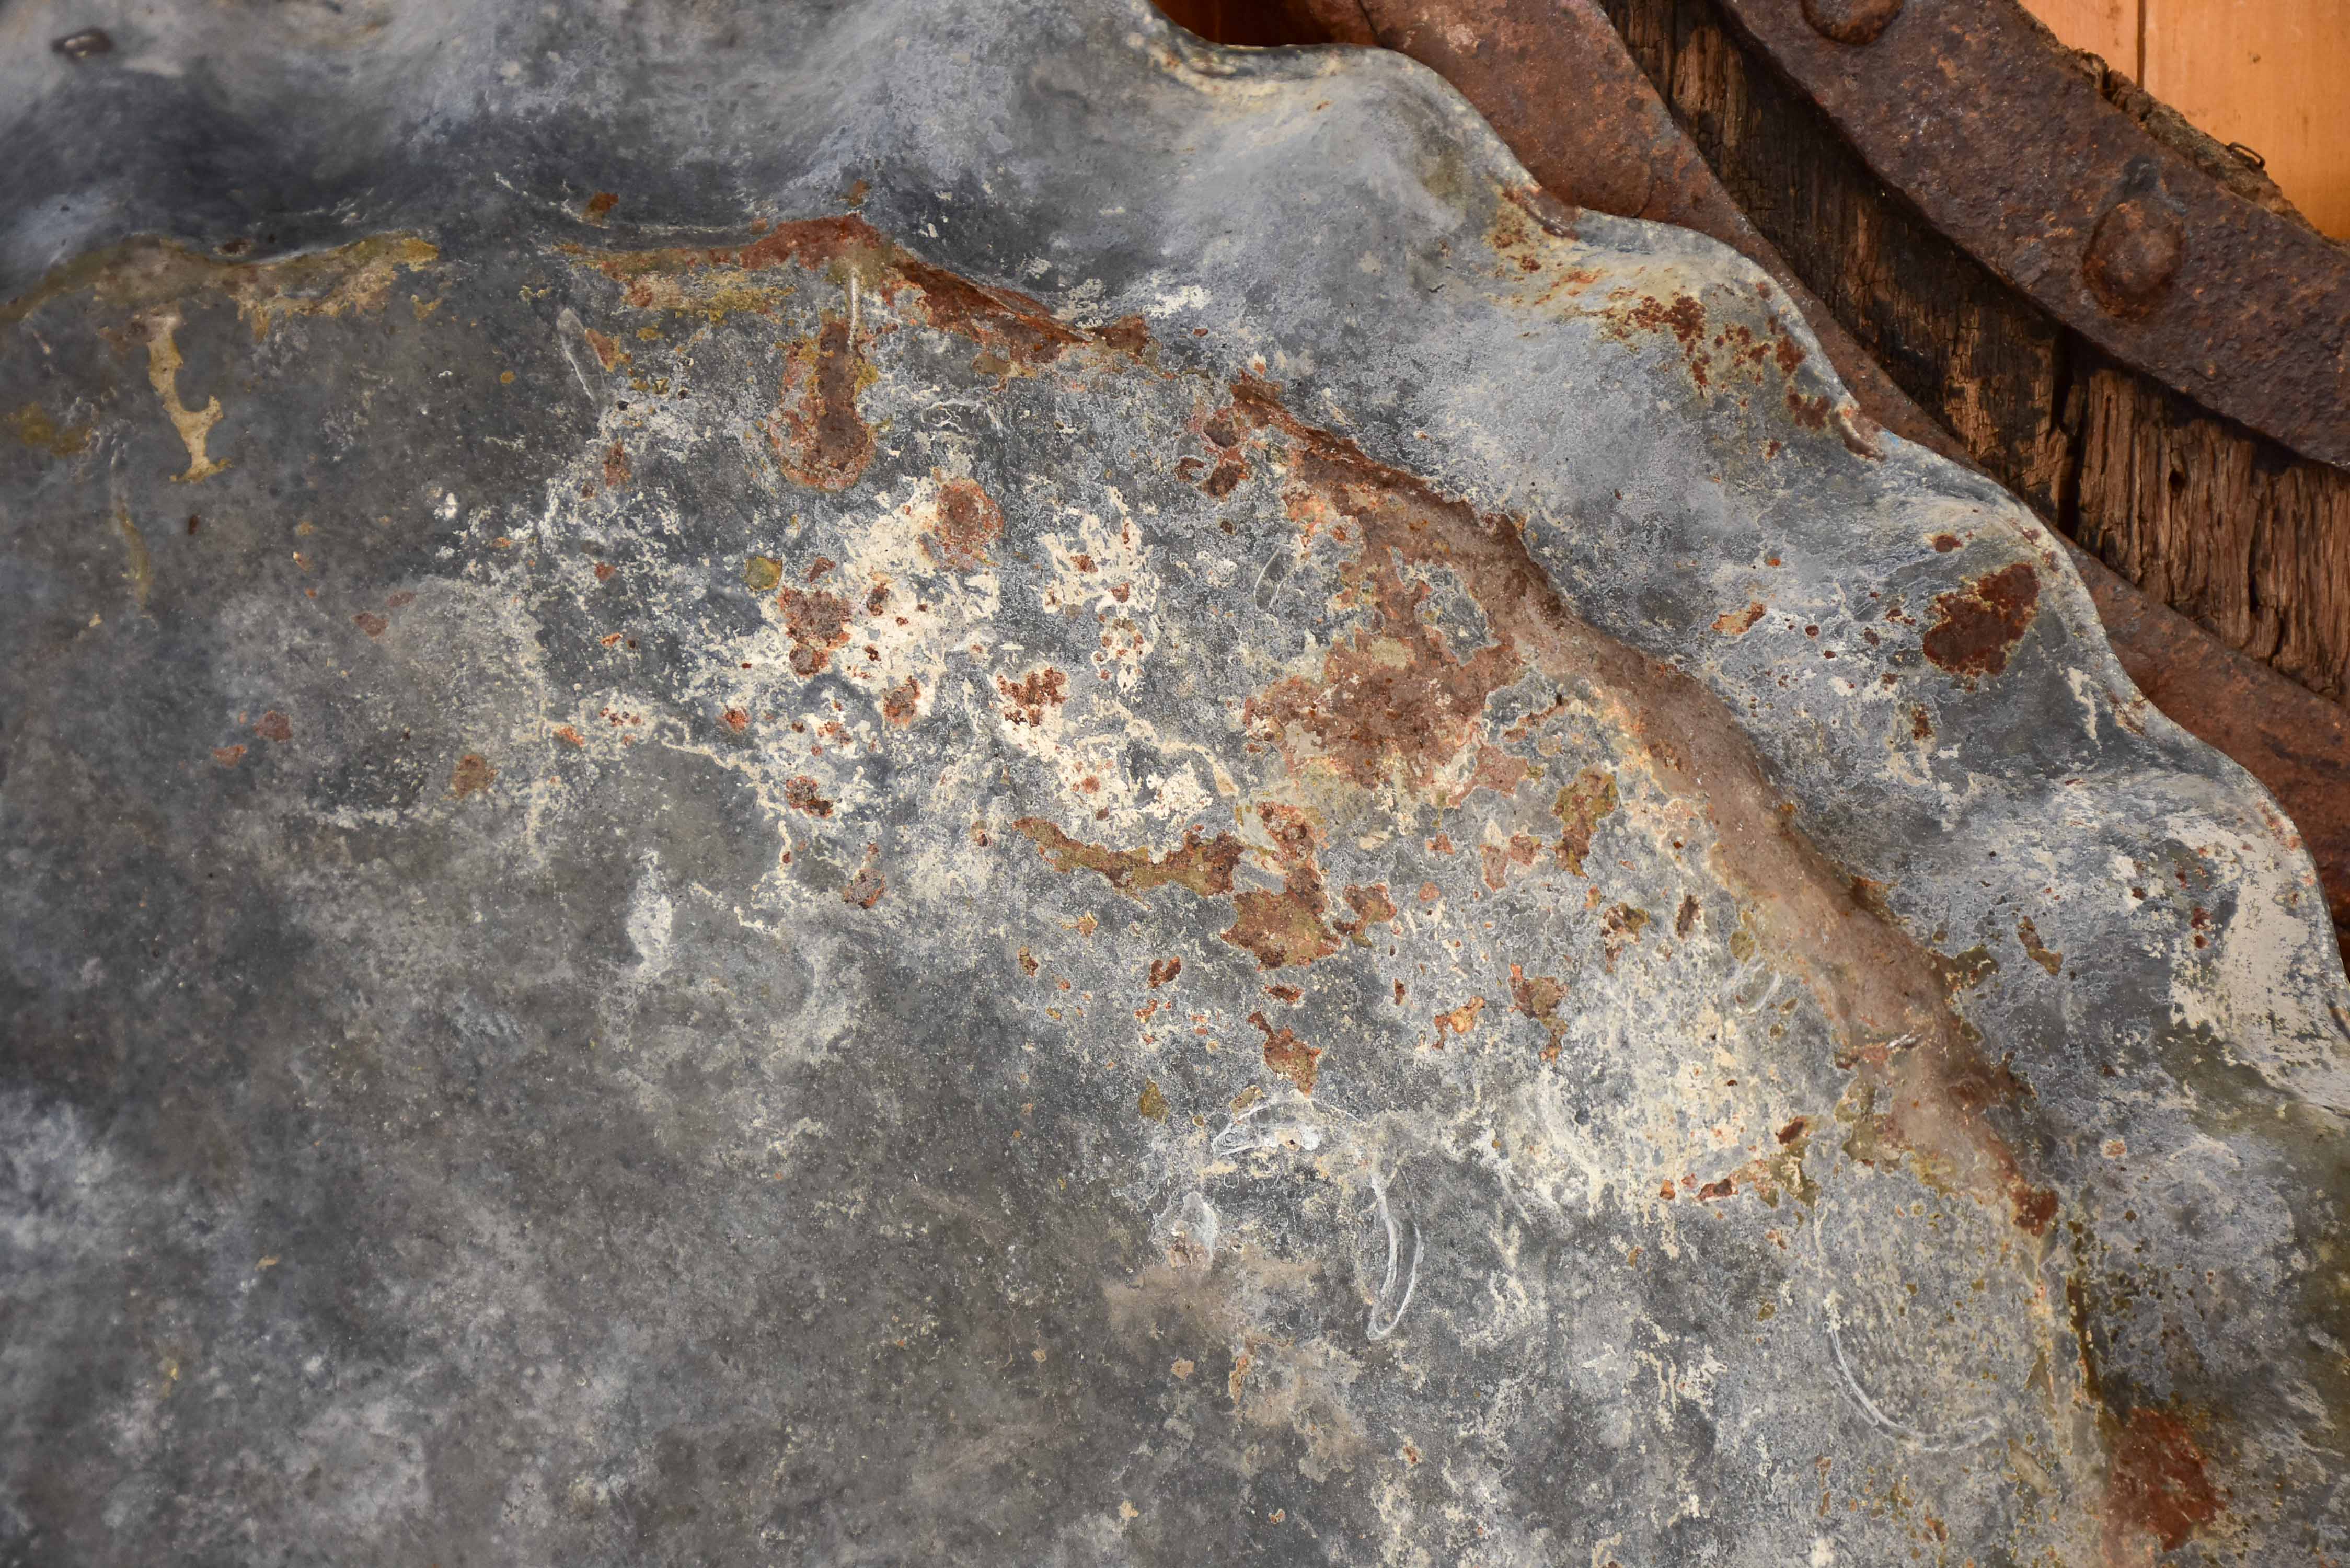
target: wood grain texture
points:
(2108, 28)
(2273, 75)
(2214, 524)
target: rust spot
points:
(1151, 1102)
(865, 888)
(274, 726)
(1725, 1188)
(1975, 627)
(228, 756)
(1738, 623)
(1027, 963)
(900, 702)
(968, 523)
(1032, 693)
(1129, 335)
(1287, 928)
(1684, 317)
(1288, 1055)
(1878, 987)
(1371, 905)
(736, 720)
(1685, 918)
(1521, 851)
(370, 623)
(2029, 935)
(1204, 867)
(819, 437)
(1163, 970)
(2156, 1486)
(1535, 995)
(1009, 325)
(1794, 1131)
(801, 794)
(1945, 543)
(616, 466)
(569, 736)
(1288, 994)
(1921, 724)
(1580, 808)
(471, 775)
(609, 354)
(1459, 1020)
(599, 205)
(817, 624)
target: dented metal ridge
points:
(955, 782)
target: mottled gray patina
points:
(1069, 800)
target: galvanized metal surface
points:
(928, 781)
(1976, 116)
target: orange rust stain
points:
(370, 623)
(1371, 905)
(817, 624)
(1032, 693)
(736, 720)
(1521, 851)
(604, 571)
(865, 888)
(2156, 1486)
(1204, 867)
(1286, 929)
(228, 756)
(801, 794)
(969, 522)
(1288, 994)
(616, 466)
(900, 702)
(609, 353)
(274, 726)
(1738, 623)
(1459, 1020)
(569, 736)
(1288, 1055)
(1580, 808)
(1975, 627)
(819, 438)
(471, 775)
(600, 205)
(1878, 986)
(1163, 970)
(1945, 543)
(1684, 317)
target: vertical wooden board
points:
(2108, 28)
(2271, 74)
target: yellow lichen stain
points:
(421, 306)
(149, 276)
(194, 425)
(32, 425)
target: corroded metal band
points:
(1974, 114)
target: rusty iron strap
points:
(1979, 118)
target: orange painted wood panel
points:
(2273, 75)
(2106, 28)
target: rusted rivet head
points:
(2136, 248)
(86, 44)
(1851, 21)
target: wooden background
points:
(2273, 75)
(2270, 75)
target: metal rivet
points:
(88, 44)
(2133, 252)
(1851, 21)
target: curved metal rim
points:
(1977, 117)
